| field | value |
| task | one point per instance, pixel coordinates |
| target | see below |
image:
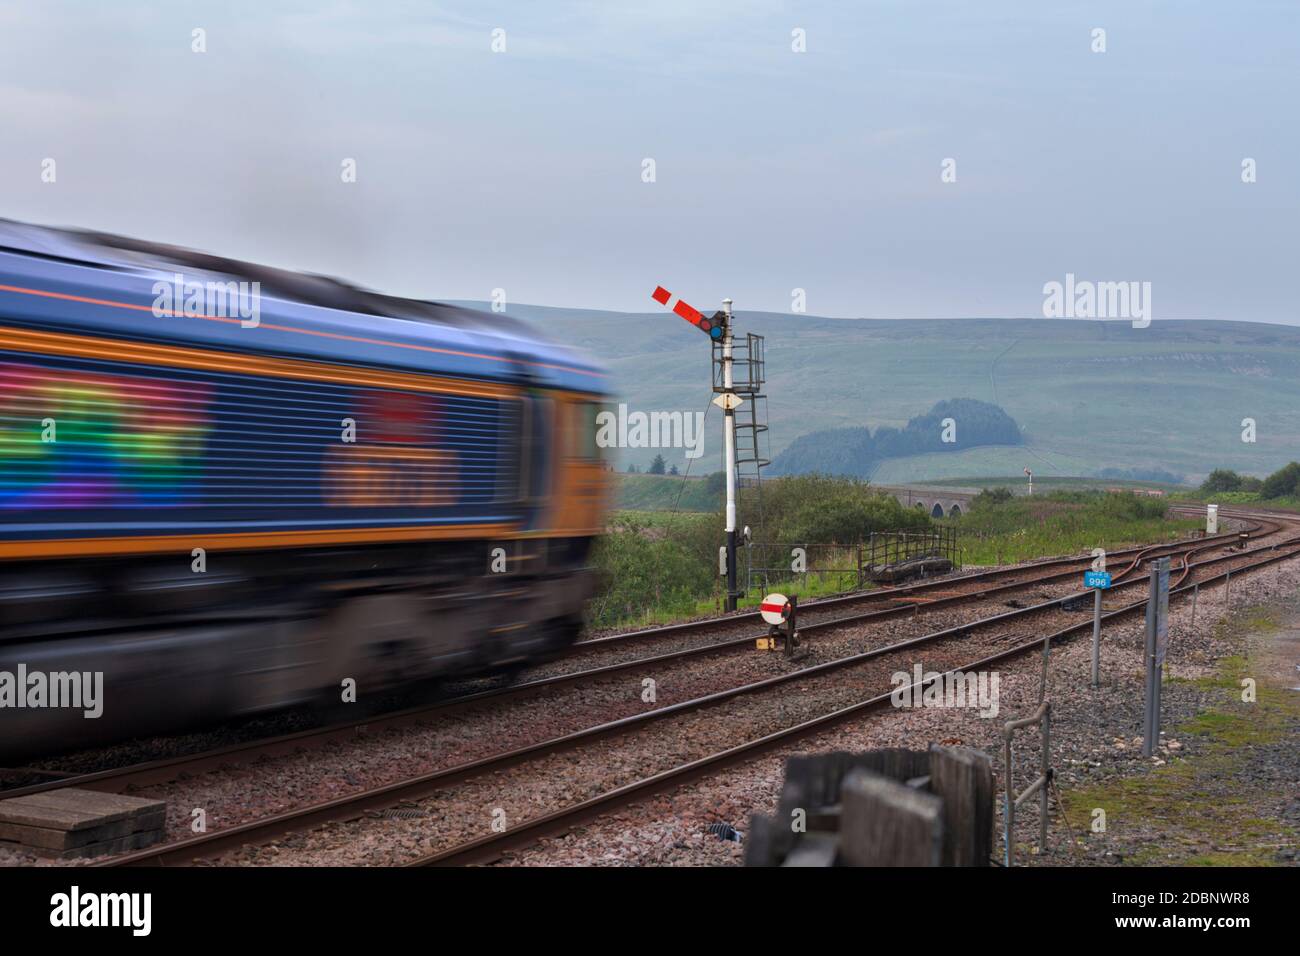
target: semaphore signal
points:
(711, 326)
(718, 329)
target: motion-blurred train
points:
(230, 488)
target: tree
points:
(673, 470)
(658, 466)
(1283, 483)
(631, 469)
(1221, 479)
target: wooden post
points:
(884, 823)
(907, 808)
(963, 779)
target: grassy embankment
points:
(1020, 529)
(659, 566)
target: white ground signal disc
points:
(774, 608)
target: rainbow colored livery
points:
(84, 441)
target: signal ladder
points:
(748, 374)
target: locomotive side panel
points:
(101, 452)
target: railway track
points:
(717, 636)
(491, 847)
(486, 847)
(1023, 575)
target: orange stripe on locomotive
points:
(572, 502)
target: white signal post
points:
(729, 443)
(718, 328)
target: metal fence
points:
(893, 549)
(847, 567)
(772, 566)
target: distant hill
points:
(858, 452)
(1088, 396)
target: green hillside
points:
(667, 493)
(1088, 395)
(858, 452)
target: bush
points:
(1223, 479)
(1132, 507)
(821, 509)
(991, 497)
(1283, 483)
(1234, 497)
(655, 567)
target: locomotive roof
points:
(305, 292)
(103, 248)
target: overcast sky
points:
(774, 170)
